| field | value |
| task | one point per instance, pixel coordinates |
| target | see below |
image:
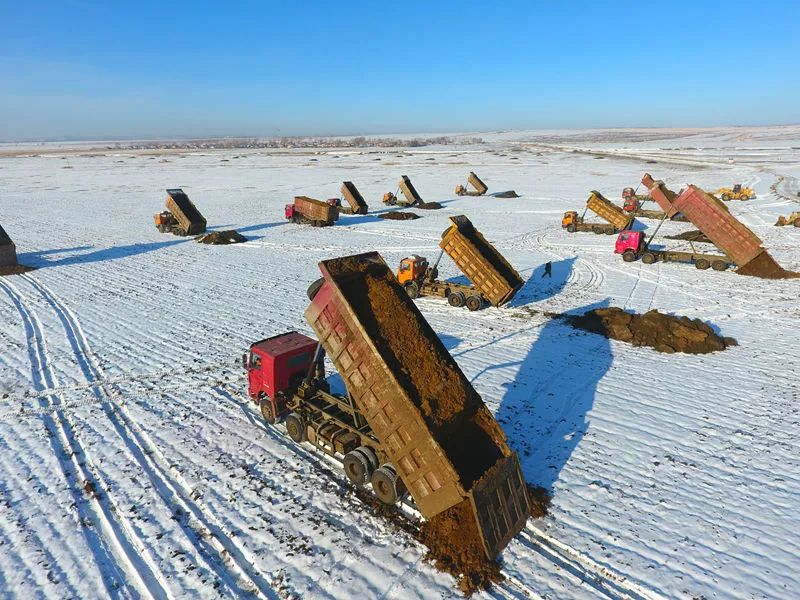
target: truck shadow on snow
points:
(539, 288)
(544, 411)
(40, 260)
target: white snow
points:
(672, 475)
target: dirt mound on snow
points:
(764, 266)
(664, 333)
(690, 236)
(218, 238)
(428, 205)
(508, 194)
(14, 269)
(398, 216)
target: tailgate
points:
(500, 503)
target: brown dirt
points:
(217, 238)
(539, 500)
(14, 269)
(690, 236)
(454, 412)
(664, 333)
(454, 546)
(508, 194)
(765, 266)
(398, 216)
(428, 205)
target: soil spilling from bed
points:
(218, 238)
(764, 266)
(664, 333)
(398, 216)
(690, 236)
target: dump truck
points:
(409, 424)
(311, 211)
(615, 217)
(478, 187)
(633, 207)
(181, 217)
(494, 280)
(629, 192)
(8, 250)
(739, 246)
(737, 192)
(410, 194)
(792, 219)
(356, 203)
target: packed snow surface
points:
(132, 464)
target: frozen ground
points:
(131, 466)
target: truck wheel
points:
(267, 412)
(797, 222)
(726, 197)
(629, 256)
(597, 230)
(649, 258)
(312, 290)
(357, 467)
(296, 428)
(412, 289)
(387, 485)
(702, 264)
(572, 228)
(456, 299)
(474, 303)
(179, 231)
(719, 265)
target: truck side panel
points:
(714, 219)
(480, 261)
(354, 198)
(409, 191)
(185, 212)
(315, 210)
(661, 194)
(608, 211)
(476, 182)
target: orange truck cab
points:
(630, 244)
(412, 268)
(570, 218)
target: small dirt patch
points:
(398, 216)
(508, 194)
(428, 205)
(539, 501)
(218, 238)
(662, 332)
(14, 269)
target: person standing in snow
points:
(548, 270)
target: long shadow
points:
(260, 226)
(40, 260)
(539, 288)
(544, 412)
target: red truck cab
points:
(630, 244)
(274, 365)
(630, 204)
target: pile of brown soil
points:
(454, 546)
(398, 216)
(428, 205)
(664, 333)
(452, 409)
(539, 500)
(14, 269)
(765, 266)
(221, 237)
(508, 194)
(690, 236)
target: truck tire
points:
(357, 467)
(649, 258)
(267, 412)
(572, 228)
(702, 264)
(412, 289)
(387, 485)
(179, 231)
(797, 222)
(296, 428)
(629, 256)
(597, 230)
(726, 197)
(456, 299)
(312, 290)
(719, 265)
(474, 303)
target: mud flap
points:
(500, 504)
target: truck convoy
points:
(494, 280)
(739, 246)
(616, 219)
(311, 211)
(181, 217)
(410, 194)
(479, 188)
(408, 420)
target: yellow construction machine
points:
(737, 192)
(792, 219)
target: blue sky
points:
(91, 69)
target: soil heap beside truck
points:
(410, 419)
(615, 217)
(181, 217)
(494, 280)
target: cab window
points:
(255, 361)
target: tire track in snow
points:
(168, 481)
(119, 550)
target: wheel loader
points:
(792, 219)
(737, 192)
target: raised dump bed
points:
(480, 261)
(476, 182)
(661, 194)
(8, 250)
(190, 221)
(436, 430)
(309, 210)
(608, 211)
(358, 206)
(409, 191)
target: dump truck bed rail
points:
(185, 212)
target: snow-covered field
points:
(131, 466)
